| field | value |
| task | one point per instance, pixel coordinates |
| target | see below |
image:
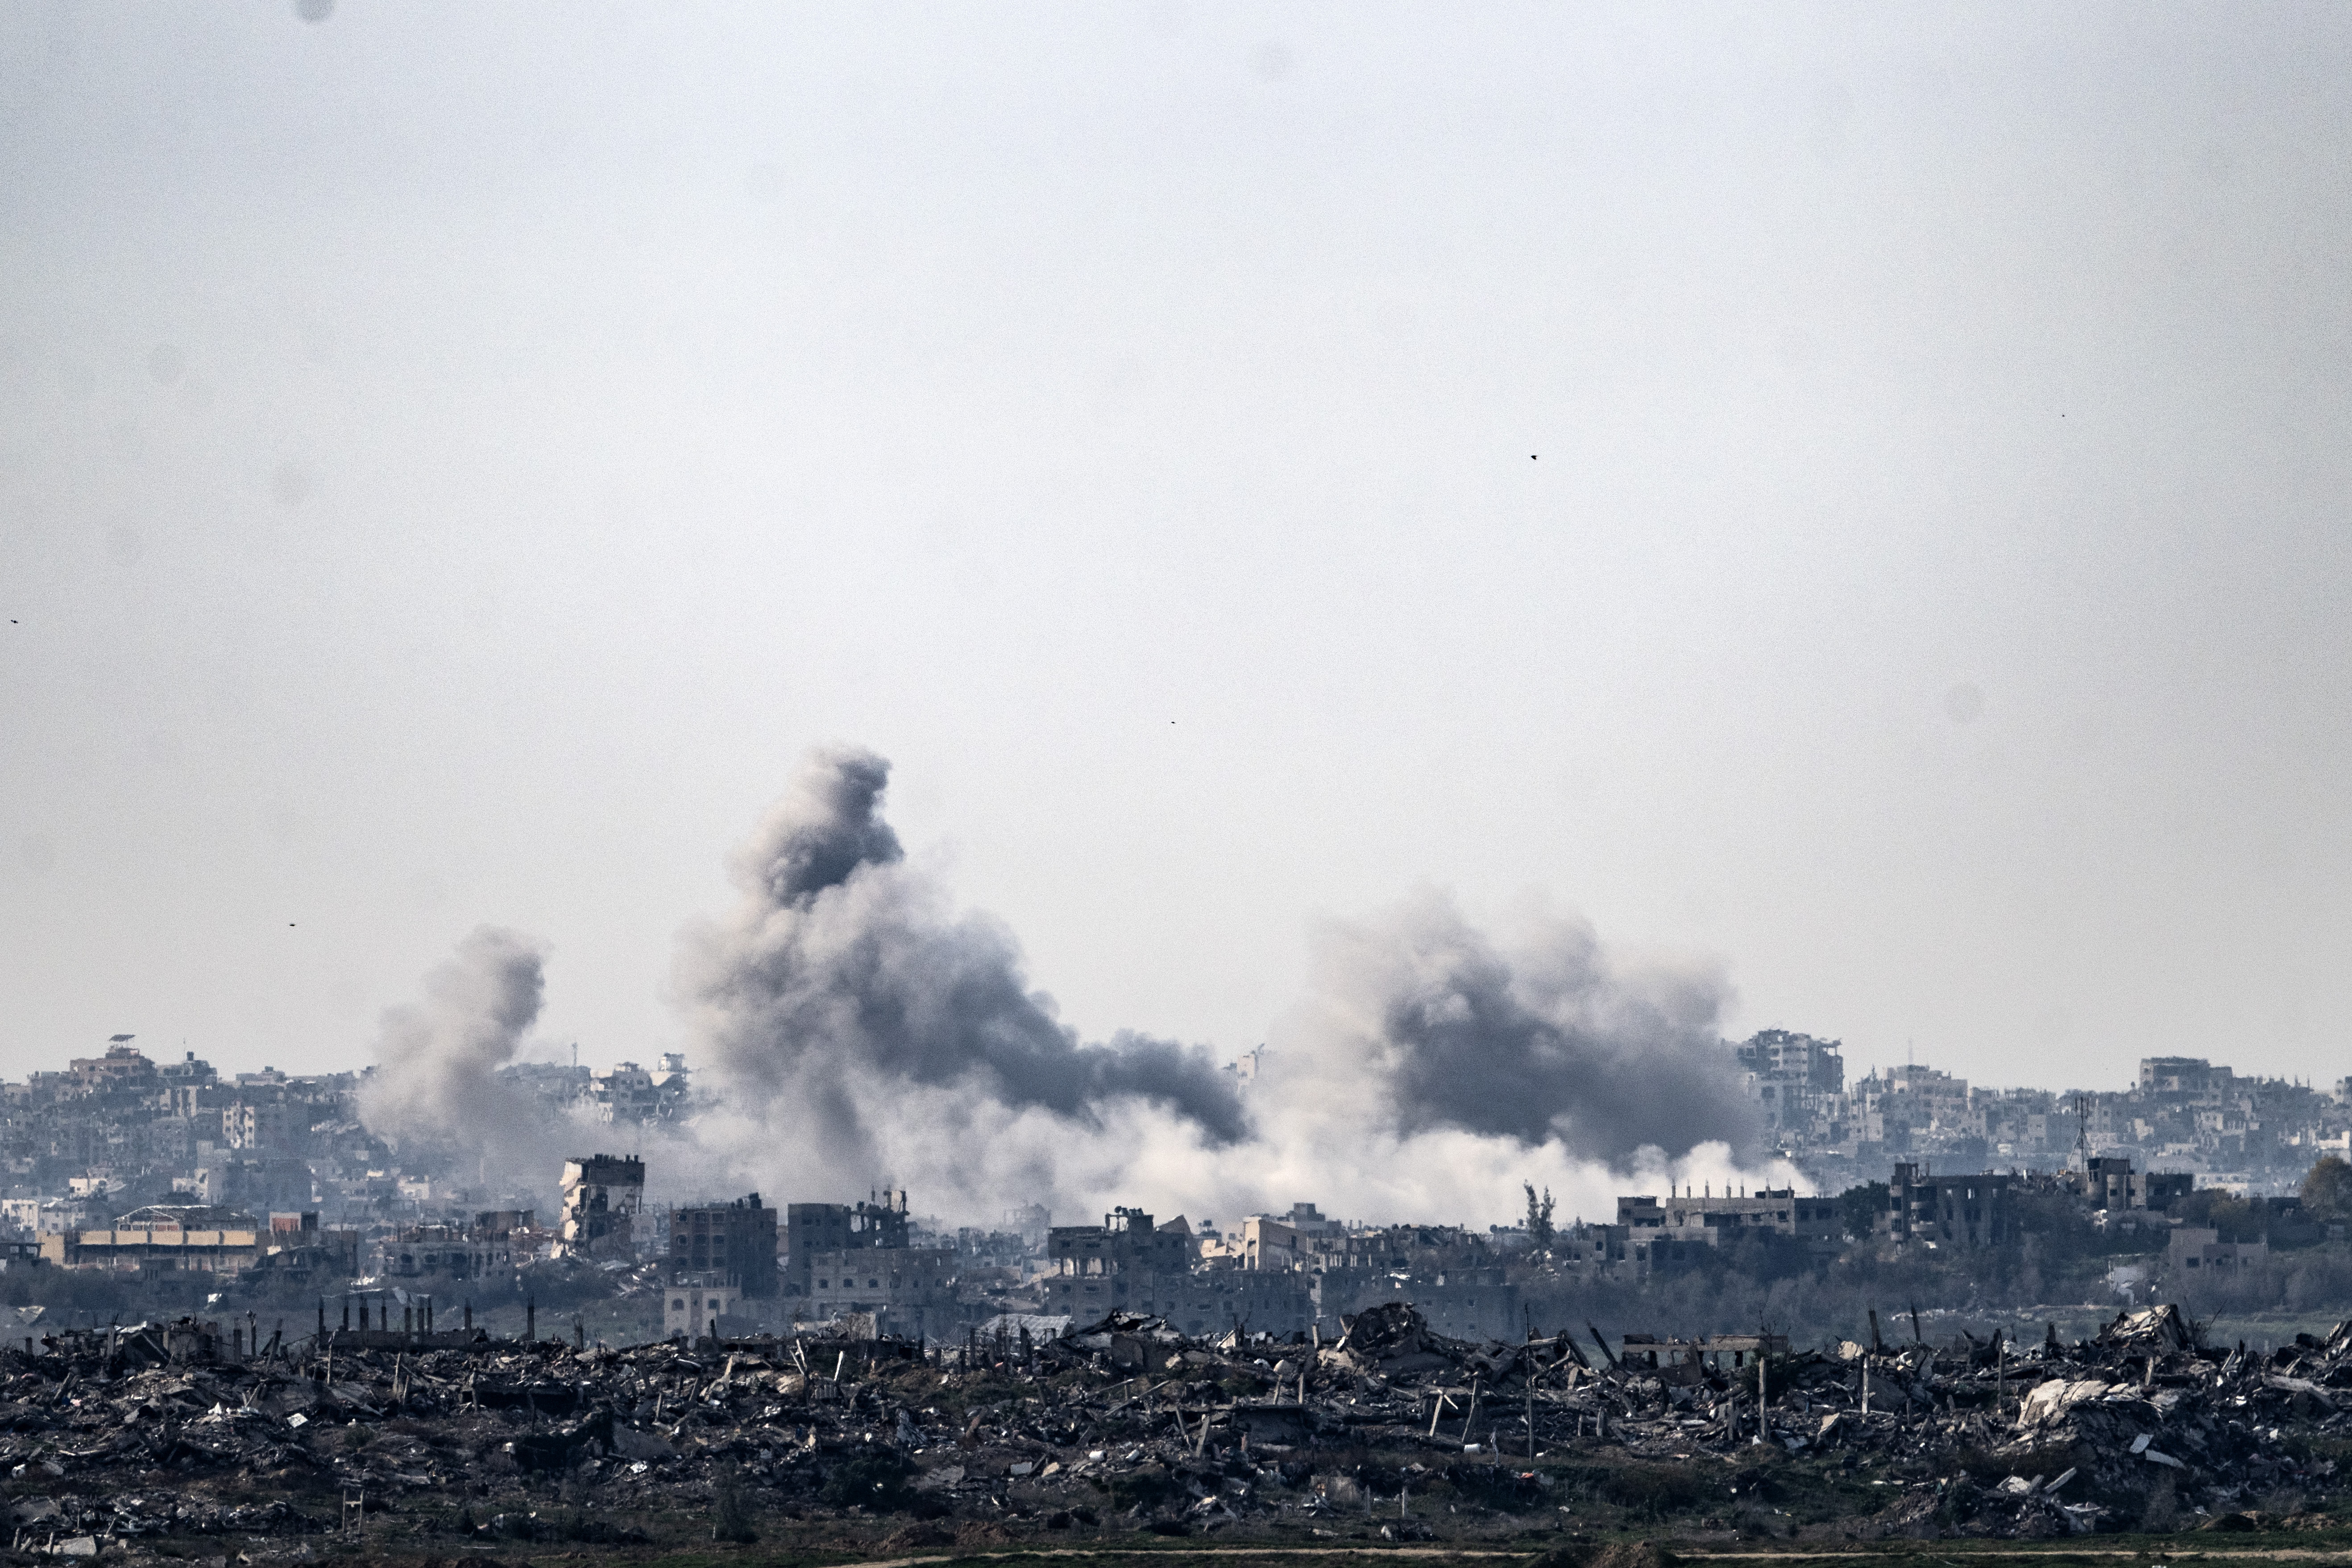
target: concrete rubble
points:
(154, 1430)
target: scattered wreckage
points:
(113, 1434)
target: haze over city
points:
(1847, 504)
(917, 782)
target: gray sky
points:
(1855, 495)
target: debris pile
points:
(171, 1430)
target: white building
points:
(694, 1309)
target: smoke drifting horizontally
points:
(1552, 1042)
(854, 1030)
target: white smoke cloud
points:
(436, 1082)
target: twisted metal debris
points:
(115, 1434)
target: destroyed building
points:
(299, 1248)
(1295, 1240)
(1793, 1079)
(498, 1242)
(1967, 1210)
(1127, 1242)
(629, 1093)
(1128, 1263)
(811, 1228)
(845, 1259)
(2109, 1181)
(101, 1151)
(1472, 1303)
(1345, 1270)
(603, 1195)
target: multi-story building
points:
(1276, 1273)
(2190, 1078)
(163, 1237)
(255, 1126)
(627, 1093)
(1787, 1057)
(734, 1242)
(1970, 1210)
(123, 1070)
(1128, 1264)
(2109, 1183)
(910, 1289)
(1127, 1241)
(1303, 1239)
(1707, 1219)
(882, 1221)
(496, 1243)
(2198, 1252)
(603, 1195)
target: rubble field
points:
(159, 1442)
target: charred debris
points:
(122, 1435)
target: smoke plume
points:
(1552, 1042)
(436, 1079)
(851, 1028)
(850, 1016)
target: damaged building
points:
(1707, 1219)
(732, 1243)
(811, 1229)
(603, 1197)
(1968, 1210)
(494, 1245)
(164, 1237)
(1130, 1263)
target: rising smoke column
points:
(854, 1022)
(853, 1029)
(436, 1080)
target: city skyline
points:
(1847, 500)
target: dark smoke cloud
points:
(843, 983)
(825, 832)
(853, 1029)
(1550, 1042)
